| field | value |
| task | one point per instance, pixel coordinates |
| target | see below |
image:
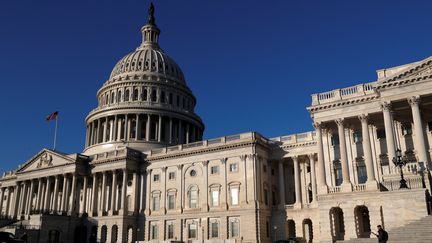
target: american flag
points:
(52, 116)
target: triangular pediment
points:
(413, 70)
(45, 159)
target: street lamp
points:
(400, 162)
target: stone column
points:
(98, 131)
(119, 129)
(123, 196)
(297, 182)
(22, 198)
(420, 145)
(2, 190)
(147, 196)
(141, 198)
(94, 200)
(56, 189)
(125, 128)
(206, 187)
(313, 177)
(129, 128)
(346, 181)
(224, 192)
(281, 184)
(104, 132)
(170, 130)
(38, 201)
(111, 130)
(102, 201)
(321, 178)
(371, 183)
(8, 200)
(388, 124)
(15, 201)
(148, 128)
(160, 128)
(84, 207)
(115, 137)
(180, 133)
(62, 203)
(47, 194)
(73, 194)
(137, 128)
(163, 187)
(135, 193)
(114, 192)
(187, 132)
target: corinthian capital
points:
(414, 100)
(386, 106)
(363, 117)
(340, 122)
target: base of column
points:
(322, 190)
(346, 187)
(372, 186)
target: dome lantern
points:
(150, 32)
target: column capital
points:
(311, 157)
(386, 106)
(414, 100)
(179, 167)
(164, 169)
(318, 125)
(294, 158)
(363, 118)
(243, 157)
(205, 163)
(340, 122)
(223, 160)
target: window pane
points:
(192, 231)
(171, 201)
(214, 229)
(215, 198)
(170, 231)
(235, 228)
(193, 198)
(234, 196)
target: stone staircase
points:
(419, 231)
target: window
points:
(334, 140)
(381, 134)
(234, 196)
(337, 173)
(171, 176)
(135, 94)
(265, 197)
(272, 172)
(193, 197)
(267, 229)
(171, 201)
(154, 232)
(156, 177)
(170, 98)
(193, 173)
(215, 198)
(406, 129)
(357, 137)
(192, 231)
(214, 170)
(233, 167)
(214, 229)
(144, 94)
(154, 95)
(162, 98)
(430, 126)
(264, 168)
(234, 228)
(126, 97)
(170, 231)
(119, 97)
(156, 202)
(361, 172)
(273, 198)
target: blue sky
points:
(251, 64)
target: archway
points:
(114, 234)
(362, 222)
(104, 230)
(337, 223)
(307, 230)
(291, 229)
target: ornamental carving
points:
(45, 160)
(386, 106)
(363, 117)
(414, 100)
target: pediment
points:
(45, 159)
(415, 70)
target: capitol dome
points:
(145, 103)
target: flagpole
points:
(55, 133)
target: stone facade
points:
(146, 174)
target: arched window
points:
(193, 197)
(162, 98)
(112, 98)
(144, 94)
(135, 94)
(126, 97)
(119, 96)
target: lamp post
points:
(400, 162)
(275, 229)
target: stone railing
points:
(413, 183)
(296, 138)
(334, 189)
(359, 187)
(208, 143)
(345, 93)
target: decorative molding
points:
(45, 160)
(386, 106)
(414, 100)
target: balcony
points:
(343, 94)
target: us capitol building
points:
(146, 174)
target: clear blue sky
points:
(251, 64)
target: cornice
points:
(341, 103)
(298, 145)
(401, 82)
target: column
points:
(298, 200)
(148, 186)
(420, 146)
(91, 134)
(321, 178)
(8, 200)
(73, 194)
(38, 194)
(148, 128)
(180, 134)
(98, 131)
(119, 129)
(135, 192)
(170, 130)
(62, 203)
(281, 184)
(206, 186)
(129, 128)
(47, 194)
(2, 191)
(313, 177)
(142, 193)
(23, 188)
(84, 207)
(56, 189)
(104, 132)
(102, 202)
(113, 192)
(160, 129)
(346, 181)
(123, 196)
(111, 133)
(187, 132)
(94, 200)
(137, 128)
(224, 192)
(15, 201)
(367, 152)
(388, 124)
(115, 137)
(126, 128)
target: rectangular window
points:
(235, 228)
(233, 167)
(171, 201)
(192, 232)
(170, 231)
(171, 176)
(154, 95)
(234, 196)
(267, 229)
(193, 200)
(214, 229)
(334, 140)
(156, 203)
(154, 233)
(214, 170)
(357, 137)
(265, 197)
(406, 130)
(215, 198)
(156, 177)
(338, 173)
